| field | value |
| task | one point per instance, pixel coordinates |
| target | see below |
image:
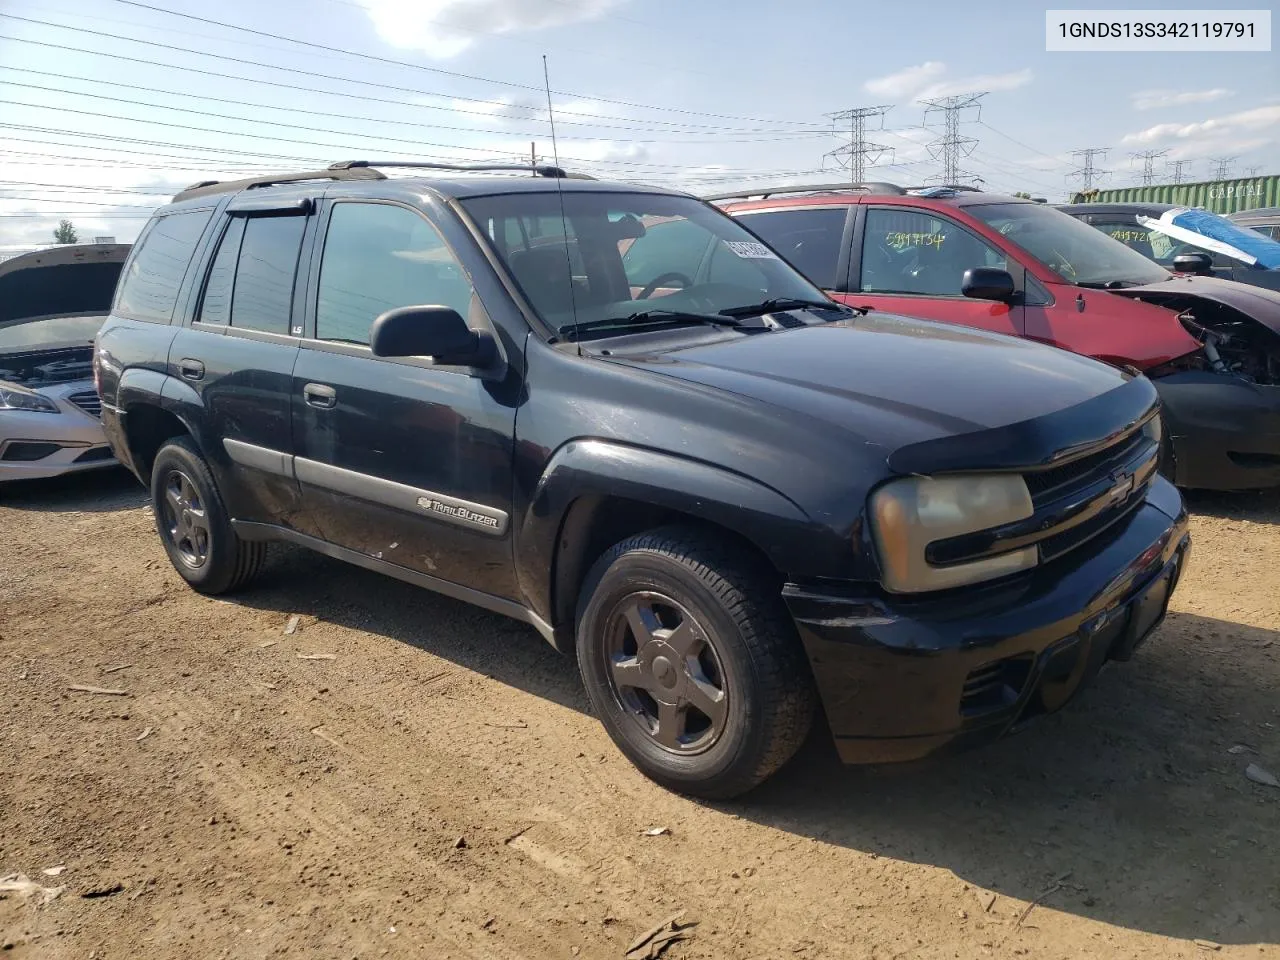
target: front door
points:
(912, 262)
(399, 459)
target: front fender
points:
(597, 470)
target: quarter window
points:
(149, 287)
(911, 252)
(378, 257)
(809, 239)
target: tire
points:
(675, 616)
(193, 524)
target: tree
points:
(1023, 195)
(66, 233)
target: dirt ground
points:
(438, 788)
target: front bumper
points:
(1225, 431)
(903, 680)
(70, 441)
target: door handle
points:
(191, 369)
(319, 395)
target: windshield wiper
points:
(1107, 284)
(648, 318)
(782, 303)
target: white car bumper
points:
(34, 445)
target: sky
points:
(108, 107)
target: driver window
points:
(378, 257)
(911, 252)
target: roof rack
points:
(363, 170)
(874, 187)
(945, 186)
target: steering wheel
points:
(661, 280)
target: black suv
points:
(730, 496)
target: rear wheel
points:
(692, 663)
(193, 523)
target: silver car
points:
(52, 303)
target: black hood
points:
(900, 384)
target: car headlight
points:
(15, 397)
(909, 514)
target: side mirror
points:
(988, 283)
(436, 332)
(1198, 263)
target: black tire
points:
(744, 648)
(193, 523)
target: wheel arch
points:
(156, 407)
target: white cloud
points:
(1257, 119)
(930, 79)
(1157, 99)
(906, 83)
(444, 28)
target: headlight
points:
(909, 514)
(14, 397)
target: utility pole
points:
(950, 147)
(1222, 166)
(1148, 158)
(1087, 173)
(1178, 166)
(859, 153)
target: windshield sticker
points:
(750, 250)
(1130, 236)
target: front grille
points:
(994, 686)
(89, 402)
(25, 451)
(94, 455)
(1054, 482)
(1060, 543)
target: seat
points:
(544, 275)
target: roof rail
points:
(537, 170)
(763, 192)
(209, 187)
(945, 186)
(364, 170)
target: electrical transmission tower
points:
(1087, 173)
(1178, 165)
(1148, 158)
(950, 147)
(1252, 171)
(859, 153)
(1222, 166)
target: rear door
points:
(912, 261)
(238, 356)
(401, 460)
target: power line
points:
(523, 134)
(1148, 158)
(950, 147)
(1087, 172)
(983, 123)
(1178, 167)
(384, 60)
(534, 110)
(859, 152)
(1222, 167)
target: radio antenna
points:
(546, 77)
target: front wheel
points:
(193, 523)
(692, 663)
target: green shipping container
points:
(1219, 196)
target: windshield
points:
(59, 330)
(1073, 250)
(630, 258)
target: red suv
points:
(1019, 267)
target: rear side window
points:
(263, 295)
(809, 239)
(216, 306)
(149, 287)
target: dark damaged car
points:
(52, 303)
(729, 497)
